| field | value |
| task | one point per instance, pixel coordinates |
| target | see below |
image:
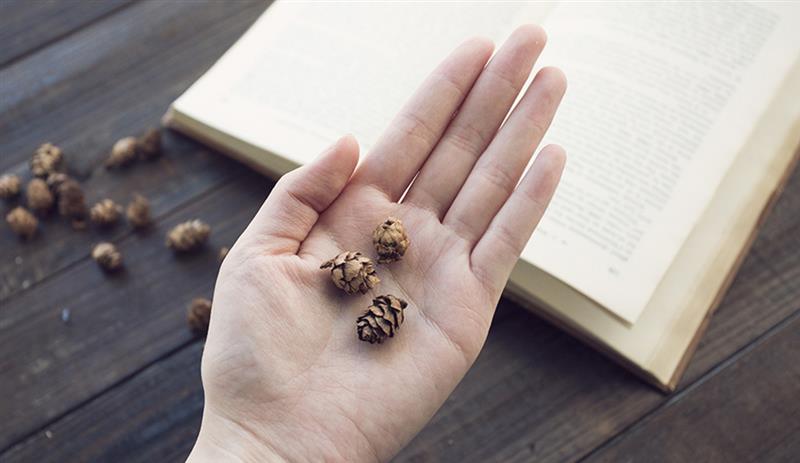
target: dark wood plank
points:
(114, 78)
(27, 25)
(748, 411)
(118, 323)
(152, 418)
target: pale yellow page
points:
(307, 73)
(661, 98)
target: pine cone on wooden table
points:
(105, 213)
(198, 316)
(188, 236)
(352, 272)
(54, 181)
(149, 144)
(46, 160)
(107, 256)
(122, 153)
(71, 202)
(9, 186)
(39, 197)
(138, 212)
(382, 319)
(22, 222)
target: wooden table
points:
(120, 381)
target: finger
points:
(495, 254)
(299, 197)
(497, 171)
(477, 121)
(397, 156)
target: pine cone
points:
(71, 203)
(122, 153)
(45, 160)
(107, 256)
(9, 186)
(54, 181)
(139, 212)
(223, 253)
(105, 213)
(149, 144)
(22, 222)
(390, 240)
(40, 199)
(199, 315)
(352, 272)
(382, 319)
(188, 235)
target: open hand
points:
(284, 373)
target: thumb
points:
(299, 197)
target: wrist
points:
(222, 440)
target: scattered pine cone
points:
(105, 213)
(71, 203)
(149, 144)
(107, 256)
(138, 212)
(40, 199)
(390, 240)
(199, 315)
(46, 160)
(55, 179)
(22, 222)
(382, 319)
(352, 272)
(9, 186)
(188, 236)
(122, 153)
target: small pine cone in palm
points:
(382, 319)
(9, 186)
(71, 203)
(390, 240)
(149, 144)
(199, 315)
(107, 256)
(39, 197)
(188, 236)
(138, 212)
(352, 272)
(122, 153)
(46, 160)
(105, 213)
(22, 222)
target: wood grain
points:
(154, 417)
(26, 25)
(119, 323)
(746, 412)
(116, 80)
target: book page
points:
(307, 73)
(661, 98)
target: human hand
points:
(284, 373)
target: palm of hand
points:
(282, 357)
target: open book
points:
(680, 124)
